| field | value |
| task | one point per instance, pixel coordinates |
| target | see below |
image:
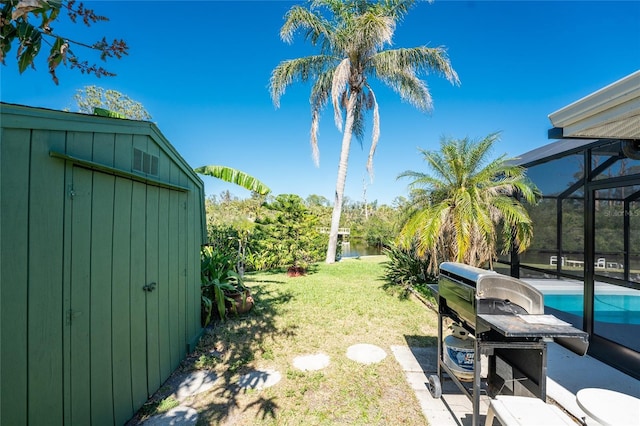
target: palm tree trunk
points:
(342, 178)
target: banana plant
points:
(219, 282)
(238, 177)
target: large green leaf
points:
(230, 175)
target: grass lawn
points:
(326, 311)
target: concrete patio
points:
(567, 373)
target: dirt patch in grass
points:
(329, 309)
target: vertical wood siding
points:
(82, 342)
(14, 236)
(45, 313)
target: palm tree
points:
(352, 36)
(468, 205)
(238, 177)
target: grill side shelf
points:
(514, 326)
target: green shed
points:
(101, 225)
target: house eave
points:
(611, 112)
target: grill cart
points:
(504, 319)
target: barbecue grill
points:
(505, 316)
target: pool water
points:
(611, 308)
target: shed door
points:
(124, 325)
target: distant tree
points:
(91, 97)
(400, 202)
(317, 200)
(15, 28)
(380, 228)
(321, 207)
(353, 35)
(289, 235)
(467, 204)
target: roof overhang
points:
(612, 112)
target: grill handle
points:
(577, 345)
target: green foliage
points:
(167, 404)
(219, 279)
(229, 210)
(17, 30)
(224, 239)
(320, 207)
(237, 177)
(469, 205)
(231, 223)
(231, 226)
(288, 236)
(406, 267)
(207, 361)
(544, 217)
(91, 99)
(378, 232)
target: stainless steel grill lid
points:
(472, 294)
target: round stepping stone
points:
(177, 416)
(194, 383)
(365, 353)
(311, 362)
(260, 379)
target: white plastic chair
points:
(523, 411)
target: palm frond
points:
(371, 32)
(237, 177)
(398, 8)
(320, 92)
(375, 134)
(359, 117)
(409, 87)
(338, 87)
(295, 70)
(419, 60)
(298, 18)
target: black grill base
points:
(515, 366)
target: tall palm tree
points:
(468, 206)
(352, 36)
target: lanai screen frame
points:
(616, 354)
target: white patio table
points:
(609, 408)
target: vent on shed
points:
(144, 162)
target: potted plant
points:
(223, 289)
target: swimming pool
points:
(611, 308)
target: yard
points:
(327, 311)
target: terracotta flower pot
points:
(296, 271)
(242, 302)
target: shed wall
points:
(81, 234)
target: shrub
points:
(287, 237)
(219, 279)
(406, 268)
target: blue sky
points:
(202, 68)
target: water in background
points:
(355, 249)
